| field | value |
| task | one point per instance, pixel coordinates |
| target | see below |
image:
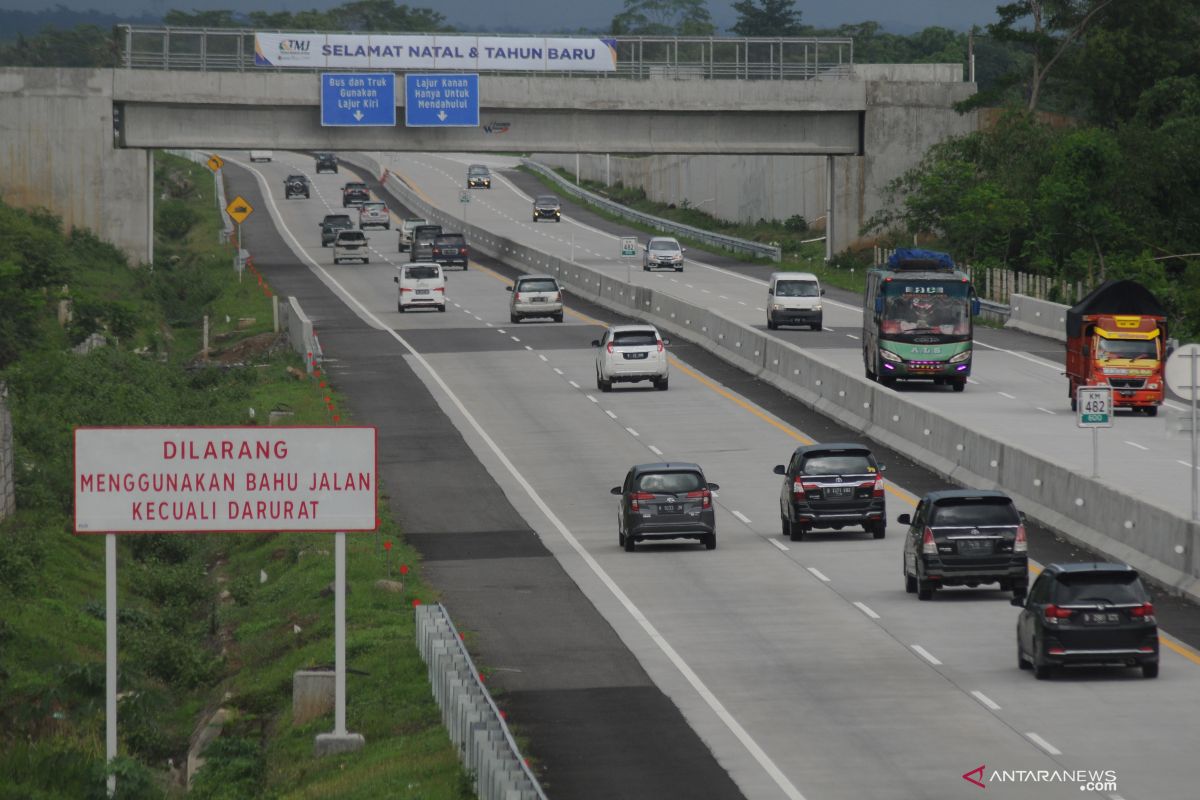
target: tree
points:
(768, 18)
(1057, 25)
(385, 15)
(81, 46)
(664, 18)
(220, 18)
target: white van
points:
(794, 298)
(261, 155)
(422, 284)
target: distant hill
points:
(28, 23)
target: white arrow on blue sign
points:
(358, 99)
(441, 101)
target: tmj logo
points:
(294, 46)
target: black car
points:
(546, 206)
(326, 162)
(1090, 613)
(831, 486)
(666, 501)
(422, 242)
(295, 186)
(331, 225)
(964, 537)
(450, 250)
(478, 177)
(354, 193)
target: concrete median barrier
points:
(1039, 317)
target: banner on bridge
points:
(496, 53)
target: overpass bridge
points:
(81, 141)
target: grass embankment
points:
(846, 271)
(198, 630)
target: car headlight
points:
(888, 355)
(963, 356)
(817, 307)
(776, 307)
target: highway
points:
(803, 667)
(1016, 394)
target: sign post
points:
(1182, 374)
(238, 210)
(629, 245)
(1095, 412)
(196, 480)
(464, 199)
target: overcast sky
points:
(902, 16)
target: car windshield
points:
(478, 170)
(538, 285)
(299, 178)
(351, 236)
(373, 207)
(547, 200)
(663, 244)
(452, 239)
(840, 464)
(797, 289)
(670, 482)
(968, 512)
(340, 219)
(355, 186)
(635, 338)
(420, 273)
(1125, 348)
(1114, 588)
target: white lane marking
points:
(456, 305)
(1185, 463)
(851, 335)
(1042, 743)
(515, 339)
(830, 330)
(925, 654)
(490, 325)
(543, 358)
(632, 432)
(594, 400)
(780, 545)
(1006, 394)
(573, 383)
(723, 297)
(741, 516)
(866, 610)
(501, 330)
(972, 381)
(1135, 444)
(557, 371)
(611, 414)
(527, 347)
(1046, 410)
(987, 701)
(759, 308)
(466, 310)
(477, 317)
(657, 638)
(655, 450)
(821, 576)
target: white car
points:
(374, 214)
(794, 298)
(261, 155)
(663, 251)
(406, 231)
(351, 246)
(421, 284)
(629, 353)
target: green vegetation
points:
(198, 631)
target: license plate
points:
(839, 491)
(1101, 618)
(970, 547)
(422, 291)
(537, 299)
(667, 508)
(634, 356)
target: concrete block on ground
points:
(312, 694)
(328, 744)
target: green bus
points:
(917, 320)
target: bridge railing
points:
(638, 57)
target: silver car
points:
(628, 353)
(535, 296)
(351, 246)
(663, 251)
(374, 214)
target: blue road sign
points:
(441, 101)
(358, 99)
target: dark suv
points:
(965, 538)
(331, 225)
(831, 486)
(450, 250)
(295, 186)
(666, 501)
(546, 206)
(326, 162)
(354, 193)
(1087, 614)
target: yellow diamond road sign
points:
(215, 162)
(239, 209)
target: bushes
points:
(175, 219)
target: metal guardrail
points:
(658, 223)
(476, 726)
(638, 57)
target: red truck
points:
(1117, 336)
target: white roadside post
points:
(464, 200)
(1095, 412)
(1182, 374)
(629, 246)
(144, 480)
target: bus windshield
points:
(938, 307)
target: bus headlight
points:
(963, 356)
(888, 355)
